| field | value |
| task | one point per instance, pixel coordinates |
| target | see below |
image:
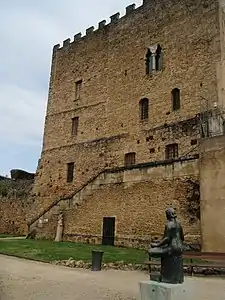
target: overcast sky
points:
(28, 30)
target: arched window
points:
(158, 58)
(143, 108)
(175, 99)
(154, 59)
(149, 62)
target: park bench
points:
(208, 260)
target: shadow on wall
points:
(193, 200)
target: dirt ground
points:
(23, 280)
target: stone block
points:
(102, 24)
(115, 17)
(77, 37)
(66, 42)
(130, 9)
(152, 290)
(90, 30)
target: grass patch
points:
(49, 251)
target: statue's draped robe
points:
(172, 242)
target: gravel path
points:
(27, 280)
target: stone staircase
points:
(47, 218)
(66, 203)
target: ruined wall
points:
(212, 174)
(111, 63)
(15, 205)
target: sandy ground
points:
(28, 280)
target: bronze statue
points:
(170, 250)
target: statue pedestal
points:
(152, 290)
(172, 269)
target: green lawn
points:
(49, 251)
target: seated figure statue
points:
(170, 250)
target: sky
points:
(28, 31)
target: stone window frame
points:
(70, 172)
(175, 96)
(144, 109)
(172, 151)
(78, 88)
(75, 124)
(130, 159)
(154, 59)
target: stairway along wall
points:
(137, 198)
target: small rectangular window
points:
(70, 172)
(75, 122)
(171, 151)
(78, 89)
(130, 159)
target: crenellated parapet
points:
(101, 26)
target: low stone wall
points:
(191, 243)
(120, 265)
(129, 242)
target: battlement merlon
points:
(56, 47)
(77, 37)
(131, 10)
(114, 18)
(102, 24)
(90, 30)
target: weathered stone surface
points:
(111, 64)
(213, 194)
(15, 205)
(123, 200)
(162, 291)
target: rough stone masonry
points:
(127, 95)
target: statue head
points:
(170, 214)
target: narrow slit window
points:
(175, 99)
(70, 172)
(130, 159)
(75, 123)
(144, 109)
(171, 151)
(78, 86)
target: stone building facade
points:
(125, 95)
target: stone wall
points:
(15, 205)
(212, 174)
(111, 63)
(137, 198)
(221, 64)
